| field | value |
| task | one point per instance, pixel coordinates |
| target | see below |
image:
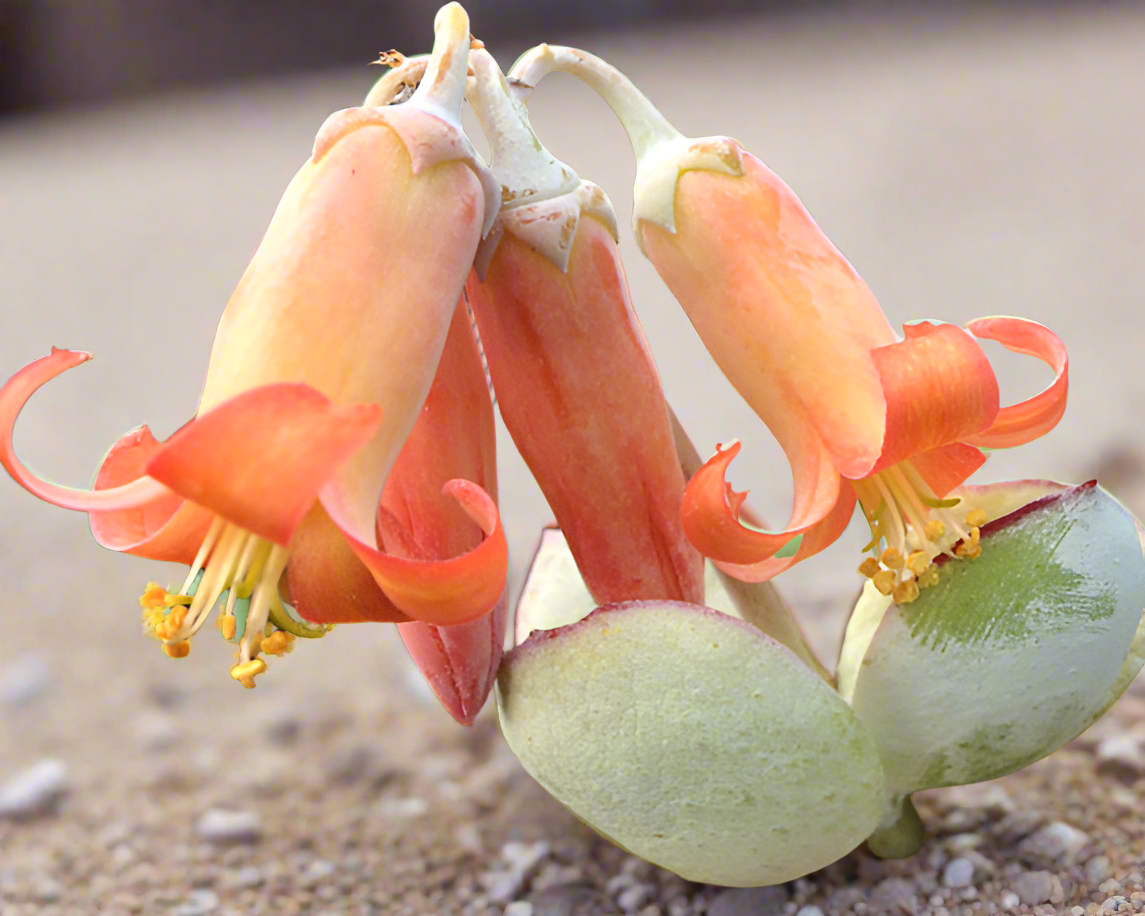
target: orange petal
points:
(939, 389)
(459, 662)
(581, 398)
(443, 592)
(1026, 421)
(710, 510)
(169, 528)
(777, 305)
(327, 582)
(259, 459)
(947, 466)
(13, 396)
(814, 539)
(454, 437)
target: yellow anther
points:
(977, 518)
(906, 592)
(247, 682)
(892, 558)
(178, 649)
(968, 551)
(928, 577)
(248, 670)
(934, 529)
(917, 561)
(154, 596)
(869, 567)
(227, 626)
(975, 534)
(884, 581)
(276, 643)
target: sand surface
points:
(967, 167)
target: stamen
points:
(918, 561)
(884, 581)
(869, 567)
(934, 530)
(892, 558)
(977, 518)
(905, 592)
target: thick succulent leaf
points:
(693, 740)
(554, 593)
(1010, 655)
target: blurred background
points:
(969, 159)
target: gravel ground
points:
(1000, 156)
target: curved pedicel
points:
(542, 199)
(662, 152)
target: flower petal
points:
(327, 582)
(777, 305)
(13, 396)
(443, 592)
(169, 529)
(259, 459)
(454, 437)
(1023, 422)
(710, 510)
(947, 466)
(582, 400)
(816, 538)
(939, 389)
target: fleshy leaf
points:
(694, 741)
(1011, 654)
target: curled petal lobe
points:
(816, 538)
(449, 591)
(169, 528)
(13, 396)
(939, 389)
(1023, 422)
(710, 512)
(259, 459)
(947, 466)
(327, 582)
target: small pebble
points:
(633, 898)
(571, 900)
(1097, 869)
(1009, 900)
(1112, 904)
(23, 679)
(35, 790)
(221, 825)
(809, 910)
(749, 901)
(958, 873)
(1058, 842)
(518, 908)
(198, 903)
(524, 856)
(1121, 755)
(893, 895)
(1034, 887)
(156, 731)
(402, 808)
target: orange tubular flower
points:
(895, 424)
(322, 360)
(577, 387)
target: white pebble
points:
(1009, 900)
(1097, 869)
(1121, 755)
(24, 679)
(958, 873)
(809, 910)
(221, 825)
(1059, 842)
(34, 790)
(199, 903)
(518, 908)
(1034, 887)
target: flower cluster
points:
(341, 469)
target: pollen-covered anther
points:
(970, 548)
(905, 592)
(179, 649)
(892, 558)
(928, 577)
(934, 529)
(870, 567)
(228, 626)
(276, 643)
(977, 518)
(245, 672)
(884, 581)
(917, 561)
